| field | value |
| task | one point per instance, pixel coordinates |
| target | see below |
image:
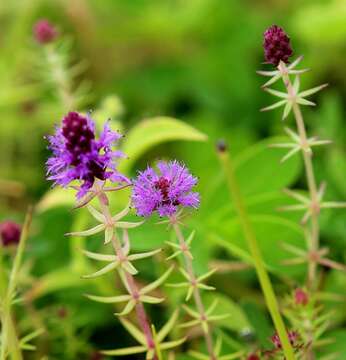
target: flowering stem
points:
(133, 288)
(313, 244)
(196, 292)
(250, 237)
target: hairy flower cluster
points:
(44, 32)
(78, 155)
(9, 233)
(164, 191)
(276, 45)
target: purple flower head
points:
(276, 45)
(78, 155)
(44, 32)
(9, 233)
(164, 191)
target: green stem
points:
(313, 242)
(250, 237)
(9, 339)
(196, 292)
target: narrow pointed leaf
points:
(128, 267)
(277, 93)
(287, 110)
(102, 271)
(157, 282)
(218, 346)
(97, 256)
(127, 309)
(109, 232)
(150, 354)
(295, 62)
(126, 351)
(134, 331)
(294, 136)
(208, 274)
(176, 246)
(197, 355)
(267, 73)
(121, 214)
(302, 101)
(172, 344)
(178, 285)
(211, 307)
(96, 214)
(290, 154)
(189, 293)
(190, 323)
(92, 231)
(312, 91)
(205, 287)
(296, 85)
(191, 312)
(272, 80)
(166, 329)
(190, 238)
(174, 255)
(144, 255)
(275, 105)
(151, 299)
(128, 225)
(31, 336)
(109, 299)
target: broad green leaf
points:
(151, 132)
(258, 168)
(271, 232)
(236, 321)
(57, 197)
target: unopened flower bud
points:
(221, 146)
(301, 297)
(276, 45)
(9, 233)
(44, 32)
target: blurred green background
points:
(195, 61)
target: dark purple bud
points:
(44, 32)
(301, 297)
(276, 45)
(221, 145)
(9, 233)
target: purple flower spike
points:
(77, 155)
(44, 32)
(276, 45)
(164, 191)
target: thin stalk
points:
(250, 237)
(313, 244)
(196, 292)
(134, 291)
(10, 341)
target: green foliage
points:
(174, 77)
